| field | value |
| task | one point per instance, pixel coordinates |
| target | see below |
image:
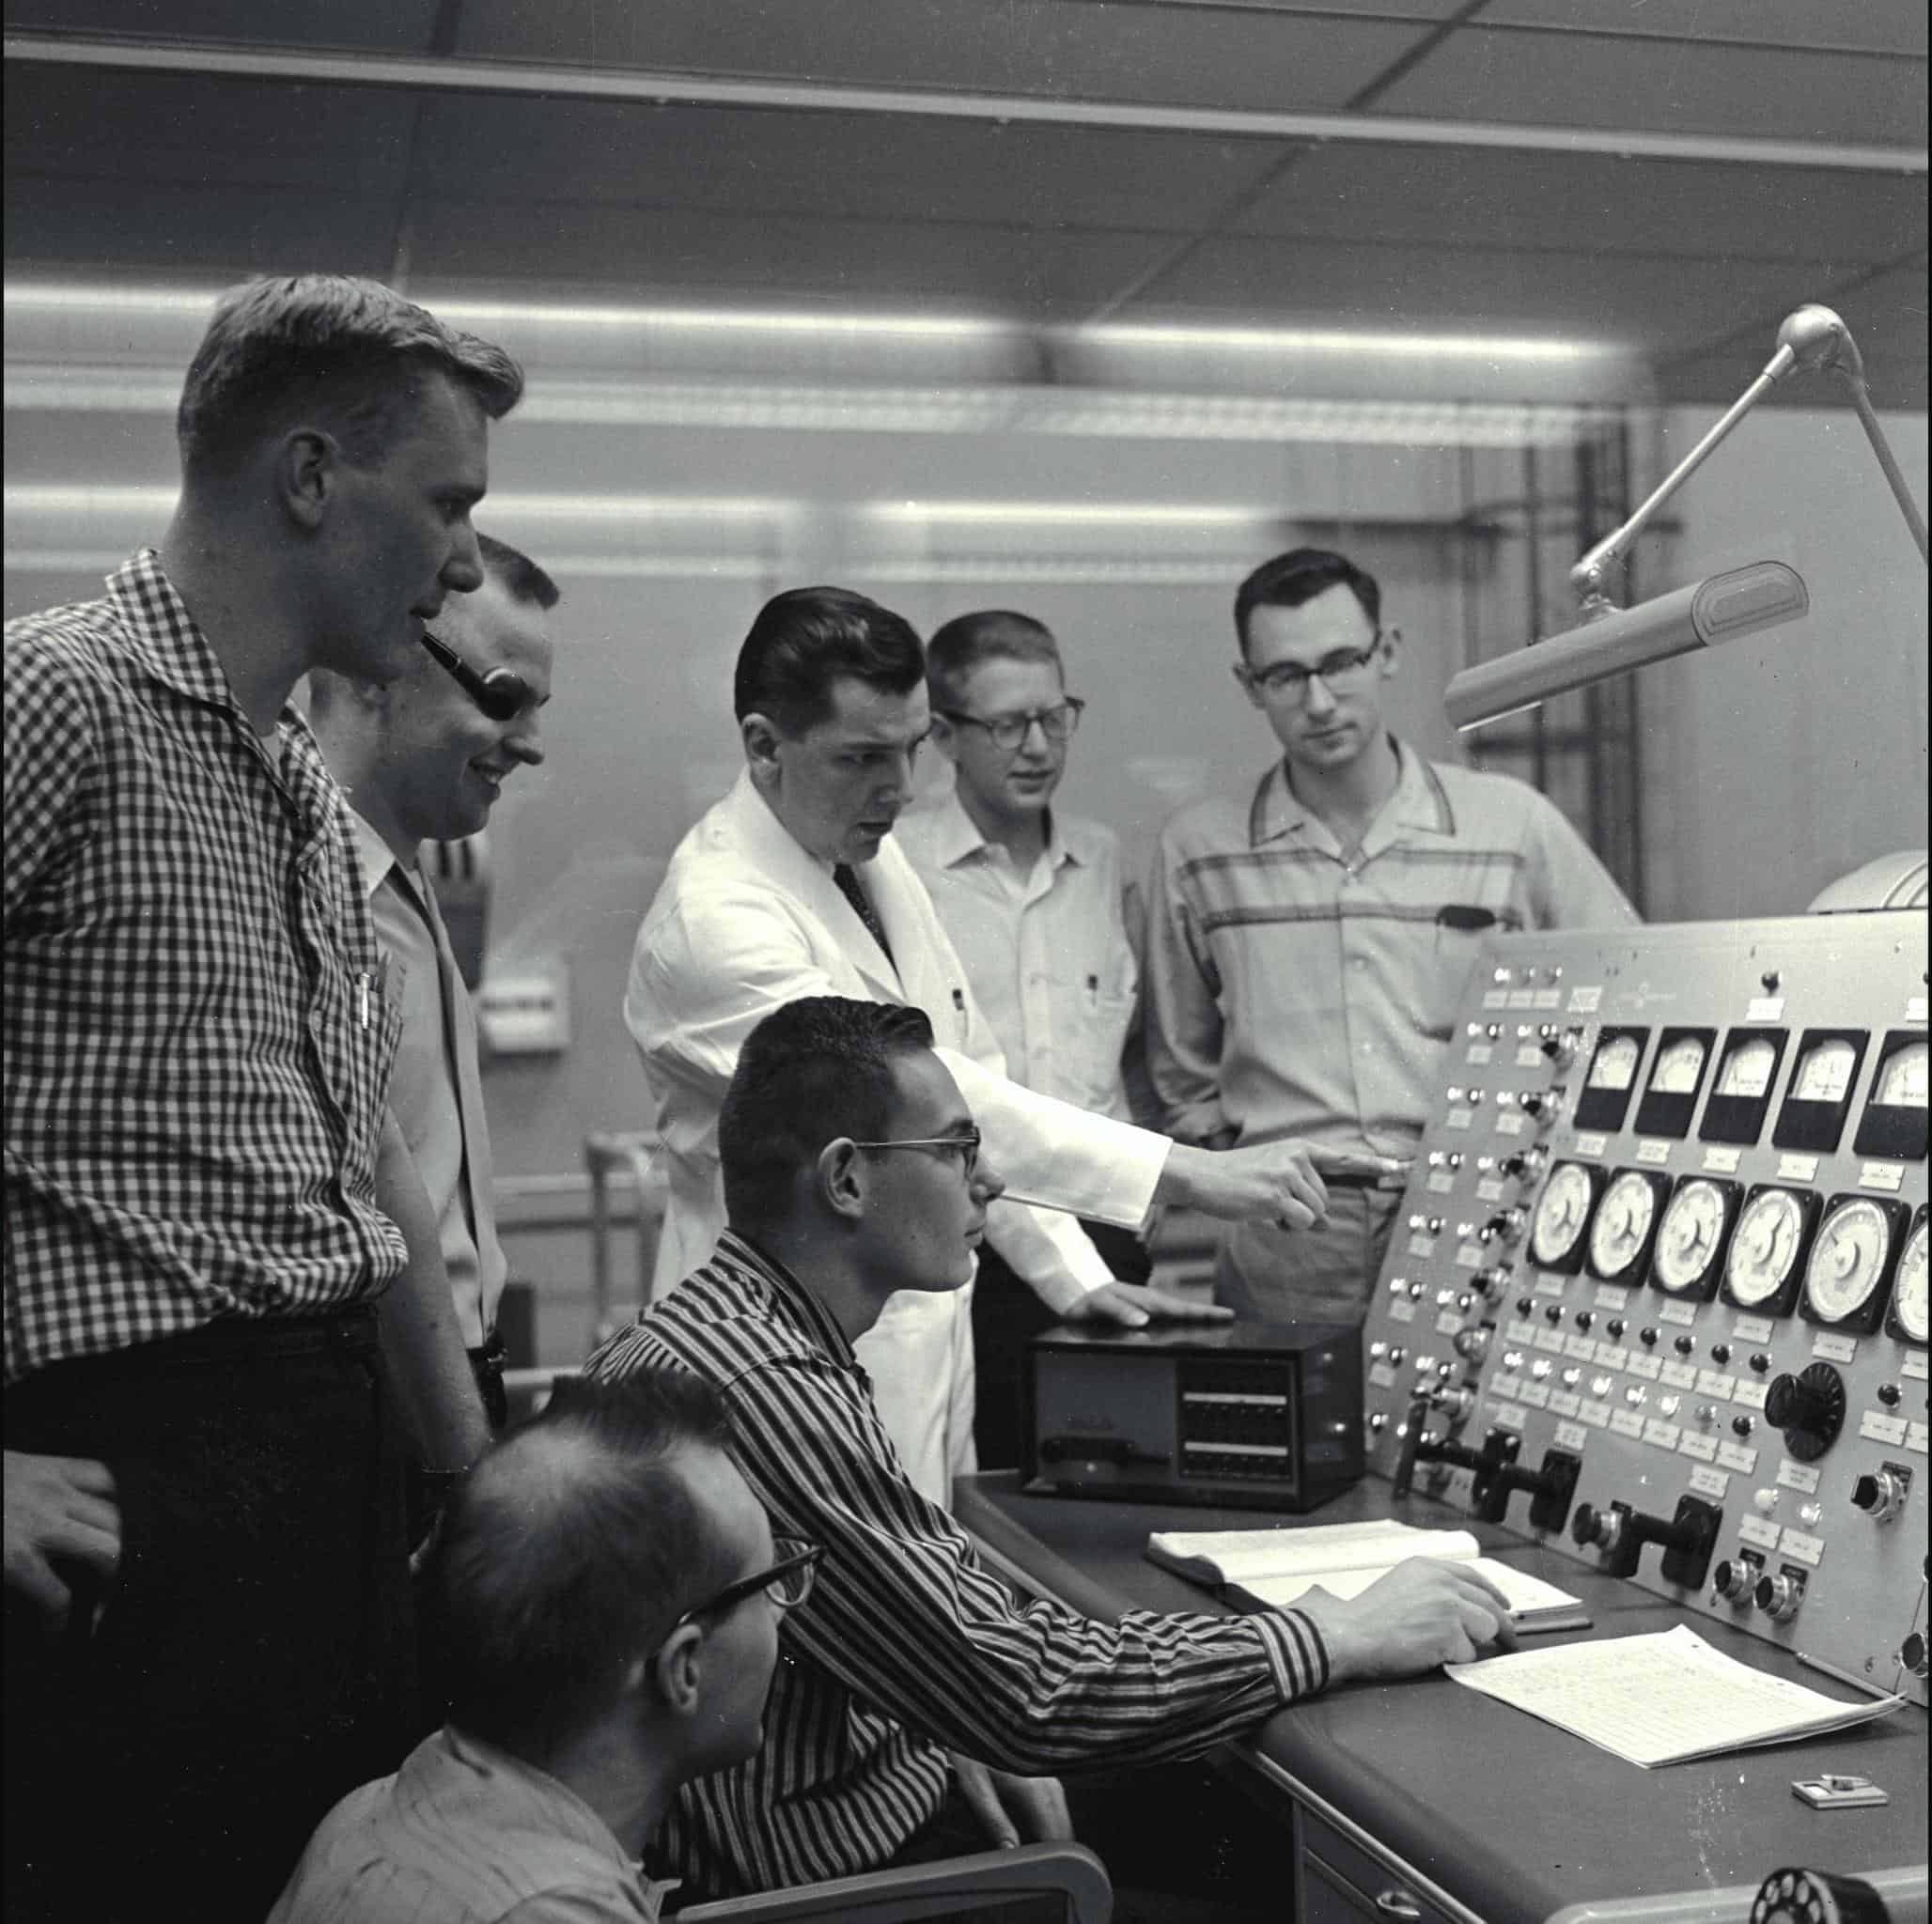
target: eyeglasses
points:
(965, 1146)
(501, 694)
(1007, 732)
(788, 1582)
(1287, 681)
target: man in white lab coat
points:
(792, 885)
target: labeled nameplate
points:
(1915, 1366)
(1549, 999)
(1598, 1415)
(1421, 1243)
(1684, 1315)
(1611, 1295)
(1579, 1349)
(1586, 1002)
(1644, 1365)
(1469, 1257)
(1516, 1330)
(1875, 1426)
(1834, 1348)
(1512, 1122)
(1915, 1008)
(1509, 1417)
(1496, 999)
(1750, 1393)
(1760, 1532)
(1448, 1322)
(1489, 1190)
(1381, 1376)
(1548, 1341)
(1535, 1396)
(1709, 1482)
(1664, 1435)
(1753, 1328)
(1571, 1435)
(1679, 1375)
(1626, 1423)
(1798, 1476)
(1884, 1177)
(1611, 1355)
(1590, 1145)
(1807, 1549)
(1479, 1055)
(1440, 1182)
(1521, 999)
(1763, 1009)
(1720, 1161)
(1738, 1456)
(1915, 1438)
(1529, 1056)
(1715, 1383)
(1401, 1312)
(1651, 1150)
(1565, 1402)
(1507, 1389)
(1546, 1285)
(1798, 1169)
(1700, 1448)
(1460, 1118)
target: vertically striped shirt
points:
(908, 1646)
(196, 1043)
(1293, 990)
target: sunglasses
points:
(501, 694)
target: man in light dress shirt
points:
(793, 886)
(1033, 900)
(421, 761)
(1308, 942)
(607, 1590)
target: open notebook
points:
(1269, 1568)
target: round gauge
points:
(1765, 1246)
(1824, 1074)
(1902, 1081)
(1678, 1067)
(1908, 1292)
(1846, 1260)
(1686, 1239)
(1615, 1064)
(1748, 1069)
(1560, 1212)
(1622, 1224)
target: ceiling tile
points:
(527, 152)
(638, 254)
(1673, 86)
(1889, 26)
(387, 25)
(1062, 49)
(1483, 198)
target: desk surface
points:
(1514, 1819)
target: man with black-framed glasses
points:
(1033, 900)
(1308, 944)
(920, 1700)
(608, 1594)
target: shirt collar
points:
(796, 1304)
(163, 636)
(1420, 802)
(954, 836)
(373, 856)
(552, 1800)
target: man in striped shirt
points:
(1308, 944)
(852, 1170)
(203, 1190)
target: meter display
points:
(1894, 1123)
(1740, 1097)
(1563, 1213)
(1675, 1078)
(1907, 1317)
(1851, 1262)
(1624, 1225)
(1688, 1259)
(1819, 1097)
(1605, 1098)
(1768, 1250)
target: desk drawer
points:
(1341, 1883)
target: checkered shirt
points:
(197, 1041)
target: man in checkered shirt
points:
(208, 1293)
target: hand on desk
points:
(1133, 1304)
(1014, 1810)
(57, 1507)
(1423, 1613)
(1274, 1182)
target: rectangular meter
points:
(1676, 1080)
(1819, 1097)
(1612, 1076)
(1741, 1097)
(1894, 1123)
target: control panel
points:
(1657, 1292)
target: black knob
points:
(1741, 1426)
(1760, 1362)
(1553, 1314)
(1720, 1352)
(1686, 1344)
(1770, 979)
(1809, 1408)
(1888, 1394)
(1524, 1304)
(1911, 1652)
(1647, 1336)
(1616, 1326)
(1588, 1525)
(1585, 1318)
(1865, 1493)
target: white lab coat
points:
(746, 920)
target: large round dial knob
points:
(1809, 1408)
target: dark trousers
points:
(1007, 1316)
(253, 1661)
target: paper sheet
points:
(1661, 1698)
(1520, 1590)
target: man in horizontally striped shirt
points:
(851, 1169)
(1308, 944)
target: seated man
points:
(607, 1592)
(852, 1169)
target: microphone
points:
(1721, 608)
(1814, 340)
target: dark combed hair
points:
(990, 634)
(815, 1069)
(351, 352)
(572, 1549)
(1298, 576)
(805, 639)
(522, 579)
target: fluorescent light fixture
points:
(31, 500)
(1344, 343)
(1722, 608)
(718, 320)
(1070, 514)
(30, 296)
(631, 507)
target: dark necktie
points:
(853, 890)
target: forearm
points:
(422, 1343)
